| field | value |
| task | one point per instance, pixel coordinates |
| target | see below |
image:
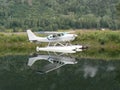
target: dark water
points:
(44, 72)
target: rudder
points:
(31, 35)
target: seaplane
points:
(55, 62)
(61, 42)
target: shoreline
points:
(98, 42)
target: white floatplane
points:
(55, 62)
(55, 38)
(58, 39)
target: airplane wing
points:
(54, 33)
(50, 67)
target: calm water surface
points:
(53, 72)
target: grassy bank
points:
(107, 39)
(97, 41)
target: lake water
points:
(54, 72)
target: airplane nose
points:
(75, 35)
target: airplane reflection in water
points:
(87, 67)
(55, 62)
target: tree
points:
(59, 14)
(118, 9)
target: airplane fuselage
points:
(61, 37)
(65, 38)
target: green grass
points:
(99, 38)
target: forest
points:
(41, 15)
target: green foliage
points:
(98, 38)
(118, 8)
(58, 14)
(9, 38)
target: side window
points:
(50, 37)
(54, 36)
(62, 34)
(59, 35)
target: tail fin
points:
(31, 35)
(31, 61)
